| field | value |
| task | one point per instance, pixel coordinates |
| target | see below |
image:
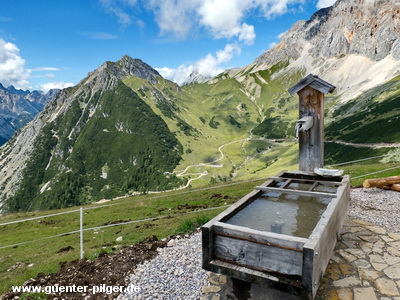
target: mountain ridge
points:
(238, 125)
(18, 107)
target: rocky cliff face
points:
(18, 107)
(354, 43)
(370, 28)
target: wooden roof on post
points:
(313, 81)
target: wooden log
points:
(380, 182)
(395, 187)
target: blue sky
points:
(55, 43)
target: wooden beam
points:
(315, 184)
(322, 182)
(295, 192)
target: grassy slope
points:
(373, 117)
(225, 112)
(45, 254)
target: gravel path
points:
(376, 206)
(176, 272)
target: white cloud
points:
(247, 34)
(208, 66)
(45, 69)
(166, 72)
(55, 85)
(222, 18)
(12, 66)
(175, 17)
(325, 3)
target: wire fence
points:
(132, 200)
(358, 160)
(81, 230)
(80, 210)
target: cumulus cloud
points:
(55, 85)
(12, 66)
(325, 3)
(222, 18)
(208, 66)
(174, 17)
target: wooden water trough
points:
(282, 234)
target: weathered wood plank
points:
(320, 87)
(207, 246)
(247, 274)
(313, 81)
(319, 247)
(314, 185)
(287, 183)
(258, 256)
(295, 192)
(272, 238)
(301, 84)
(311, 142)
(329, 183)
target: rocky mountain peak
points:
(370, 28)
(196, 77)
(13, 90)
(108, 74)
(128, 66)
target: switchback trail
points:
(371, 145)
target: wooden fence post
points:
(81, 231)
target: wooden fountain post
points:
(310, 126)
